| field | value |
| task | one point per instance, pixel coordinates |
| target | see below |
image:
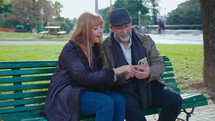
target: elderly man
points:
(144, 88)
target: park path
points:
(158, 38)
(202, 113)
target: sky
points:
(73, 8)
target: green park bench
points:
(23, 89)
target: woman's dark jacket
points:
(72, 76)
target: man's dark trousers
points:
(162, 97)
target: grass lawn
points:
(187, 59)
(22, 36)
(29, 52)
(188, 64)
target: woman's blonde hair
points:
(82, 34)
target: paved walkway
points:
(177, 39)
(202, 113)
(158, 38)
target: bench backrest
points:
(23, 85)
(168, 76)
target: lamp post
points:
(96, 6)
(139, 13)
(110, 9)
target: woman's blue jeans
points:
(107, 106)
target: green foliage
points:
(4, 6)
(186, 13)
(3, 2)
(6, 24)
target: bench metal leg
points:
(188, 113)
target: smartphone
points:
(142, 61)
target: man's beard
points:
(122, 39)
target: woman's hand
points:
(127, 69)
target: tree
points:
(133, 7)
(58, 7)
(3, 2)
(208, 22)
(104, 13)
(38, 12)
(186, 13)
(154, 8)
(65, 23)
(4, 6)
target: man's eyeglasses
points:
(122, 27)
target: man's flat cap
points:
(119, 17)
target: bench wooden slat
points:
(22, 102)
(173, 85)
(38, 118)
(188, 95)
(23, 95)
(168, 69)
(24, 87)
(168, 64)
(27, 64)
(20, 109)
(165, 58)
(187, 98)
(20, 115)
(26, 71)
(169, 80)
(25, 79)
(195, 104)
(152, 111)
(33, 119)
(165, 75)
(178, 90)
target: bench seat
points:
(24, 85)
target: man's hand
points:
(142, 71)
(127, 69)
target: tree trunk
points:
(208, 23)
